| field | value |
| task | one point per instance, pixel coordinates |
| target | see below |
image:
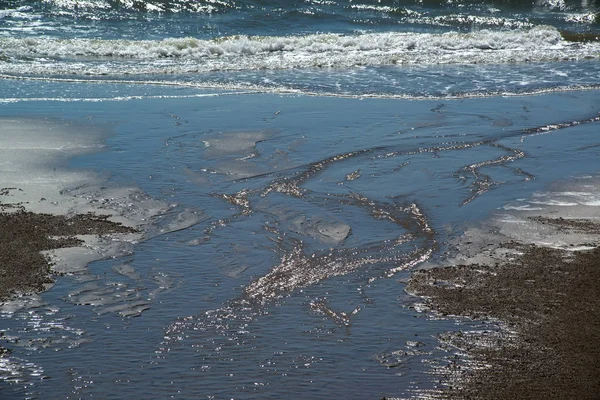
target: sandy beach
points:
(228, 190)
(541, 303)
(24, 235)
(228, 199)
(45, 207)
(541, 308)
(545, 299)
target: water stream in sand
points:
(286, 163)
(273, 268)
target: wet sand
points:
(546, 303)
(24, 235)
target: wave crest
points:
(316, 50)
(198, 6)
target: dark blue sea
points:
(287, 165)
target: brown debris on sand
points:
(549, 301)
(23, 235)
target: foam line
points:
(44, 55)
(234, 89)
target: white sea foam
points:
(138, 97)
(525, 207)
(43, 55)
(17, 13)
(242, 88)
(552, 202)
(570, 196)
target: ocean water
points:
(288, 164)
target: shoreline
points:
(54, 220)
(538, 305)
(25, 235)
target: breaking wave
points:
(315, 50)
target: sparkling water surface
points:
(306, 157)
